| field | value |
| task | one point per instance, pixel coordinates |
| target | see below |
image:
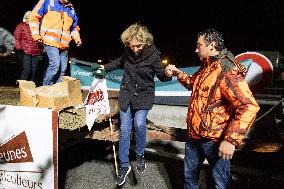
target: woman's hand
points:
(168, 71)
(171, 70)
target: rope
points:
(266, 113)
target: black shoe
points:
(123, 172)
(141, 165)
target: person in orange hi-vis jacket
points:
(54, 23)
(221, 110)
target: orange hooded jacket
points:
(55, 23)
(221, 106)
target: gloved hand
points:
(19, 55)
(19, 51)
(98, 71)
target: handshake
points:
(171, 70)
(98, 71)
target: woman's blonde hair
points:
(26, 16)
(139, 32)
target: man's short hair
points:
(212, 35)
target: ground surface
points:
(90, 164)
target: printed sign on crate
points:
(28, 148)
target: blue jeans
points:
(195, 153)
(139, 119)
(57, 65)
(29, 67)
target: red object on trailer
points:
(260, 72)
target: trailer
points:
(166, 120)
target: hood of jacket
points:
(225, 56)
(223, 53)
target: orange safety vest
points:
(55, 23)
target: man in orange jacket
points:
(55, 23)
(221, 110)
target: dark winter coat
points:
(138, 85)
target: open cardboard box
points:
(60, 95)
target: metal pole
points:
(113, 148)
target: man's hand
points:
(172, 70)
(226, 150)
(38, 39)
(78, 42)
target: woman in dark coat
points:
(141, 63)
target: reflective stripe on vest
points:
(35, 32)
(56, 31)
(57, 40)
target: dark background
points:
(246, 25)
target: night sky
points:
(246, 25)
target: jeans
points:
(126, 118)
(58, 59)
(195, 153)
(29, 67)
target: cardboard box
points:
(60, 95)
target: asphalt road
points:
(90, 165)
